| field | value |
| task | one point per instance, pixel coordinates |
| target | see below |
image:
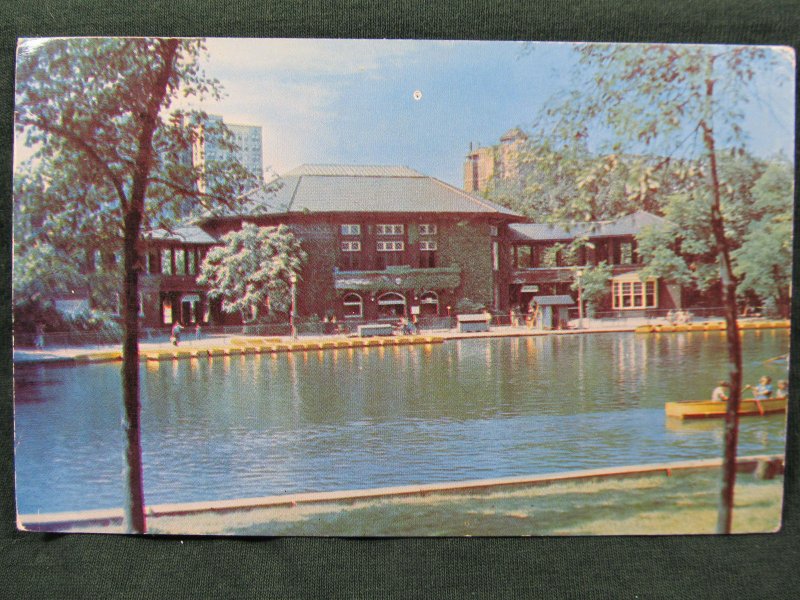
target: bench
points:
(375, 329)
(472, 323)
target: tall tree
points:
(763, 262)
(658, 98)
(98, 110)
(253, 270)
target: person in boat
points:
(783, 389)
(762, 391)
(720, 393)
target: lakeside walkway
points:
(219, 344)
(68, 355)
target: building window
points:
(429, 304)
(633, 294)
(427, 246)
(493, 231)
(524, 257)
(626, 253)
(166, 311)
(154, 262)
(391, 246)
(351, 256)
(180, 262)
(391, 305)
(353, 306)
(390, 254)
(392, 229)
(549, 256)
(350, 229)
(427, 229)
(351, 246)
(427, 254)
(166, 261)
(191, 265)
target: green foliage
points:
(81, 104)
(763, 262)
(467, 246)
(465, 306)
(41, 271)
(252, 270)
(594, 283)
(419, 280)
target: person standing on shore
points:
(176, 333)
(38, 341)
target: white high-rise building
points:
(248, 140)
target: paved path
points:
(222, 341)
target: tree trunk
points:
(728, 282)
(134, 503)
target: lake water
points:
(347, 419)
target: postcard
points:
(401, 288)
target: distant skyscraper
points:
(500, 161)
(249, 147)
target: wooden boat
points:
(706, 409)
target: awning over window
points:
(391, 299)
(553, 300)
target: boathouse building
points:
(387, 241)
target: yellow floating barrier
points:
(99, 357)
(157, 356)
(254, 341)
(212, 352)
(712, 326)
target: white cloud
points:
(309, 56)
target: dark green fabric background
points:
(84, 566)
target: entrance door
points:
(187, 314)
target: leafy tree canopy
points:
(252, 270)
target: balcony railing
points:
(398, 278)
(561, 274)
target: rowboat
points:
(706, 409)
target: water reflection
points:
(268, 424)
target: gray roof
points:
(627, 225)
(553, 300)
(376, 189)
(188, 234)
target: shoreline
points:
(225, 345)
(100, 520)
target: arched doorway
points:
(429, 304)
(353, 306)
(391, 305)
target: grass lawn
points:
(654, 504)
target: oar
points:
(779, 357)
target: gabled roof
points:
(365, 188)
(187, 234)
(624, 226)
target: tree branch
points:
(75, 139)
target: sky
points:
(420, 104)
(354, 101)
